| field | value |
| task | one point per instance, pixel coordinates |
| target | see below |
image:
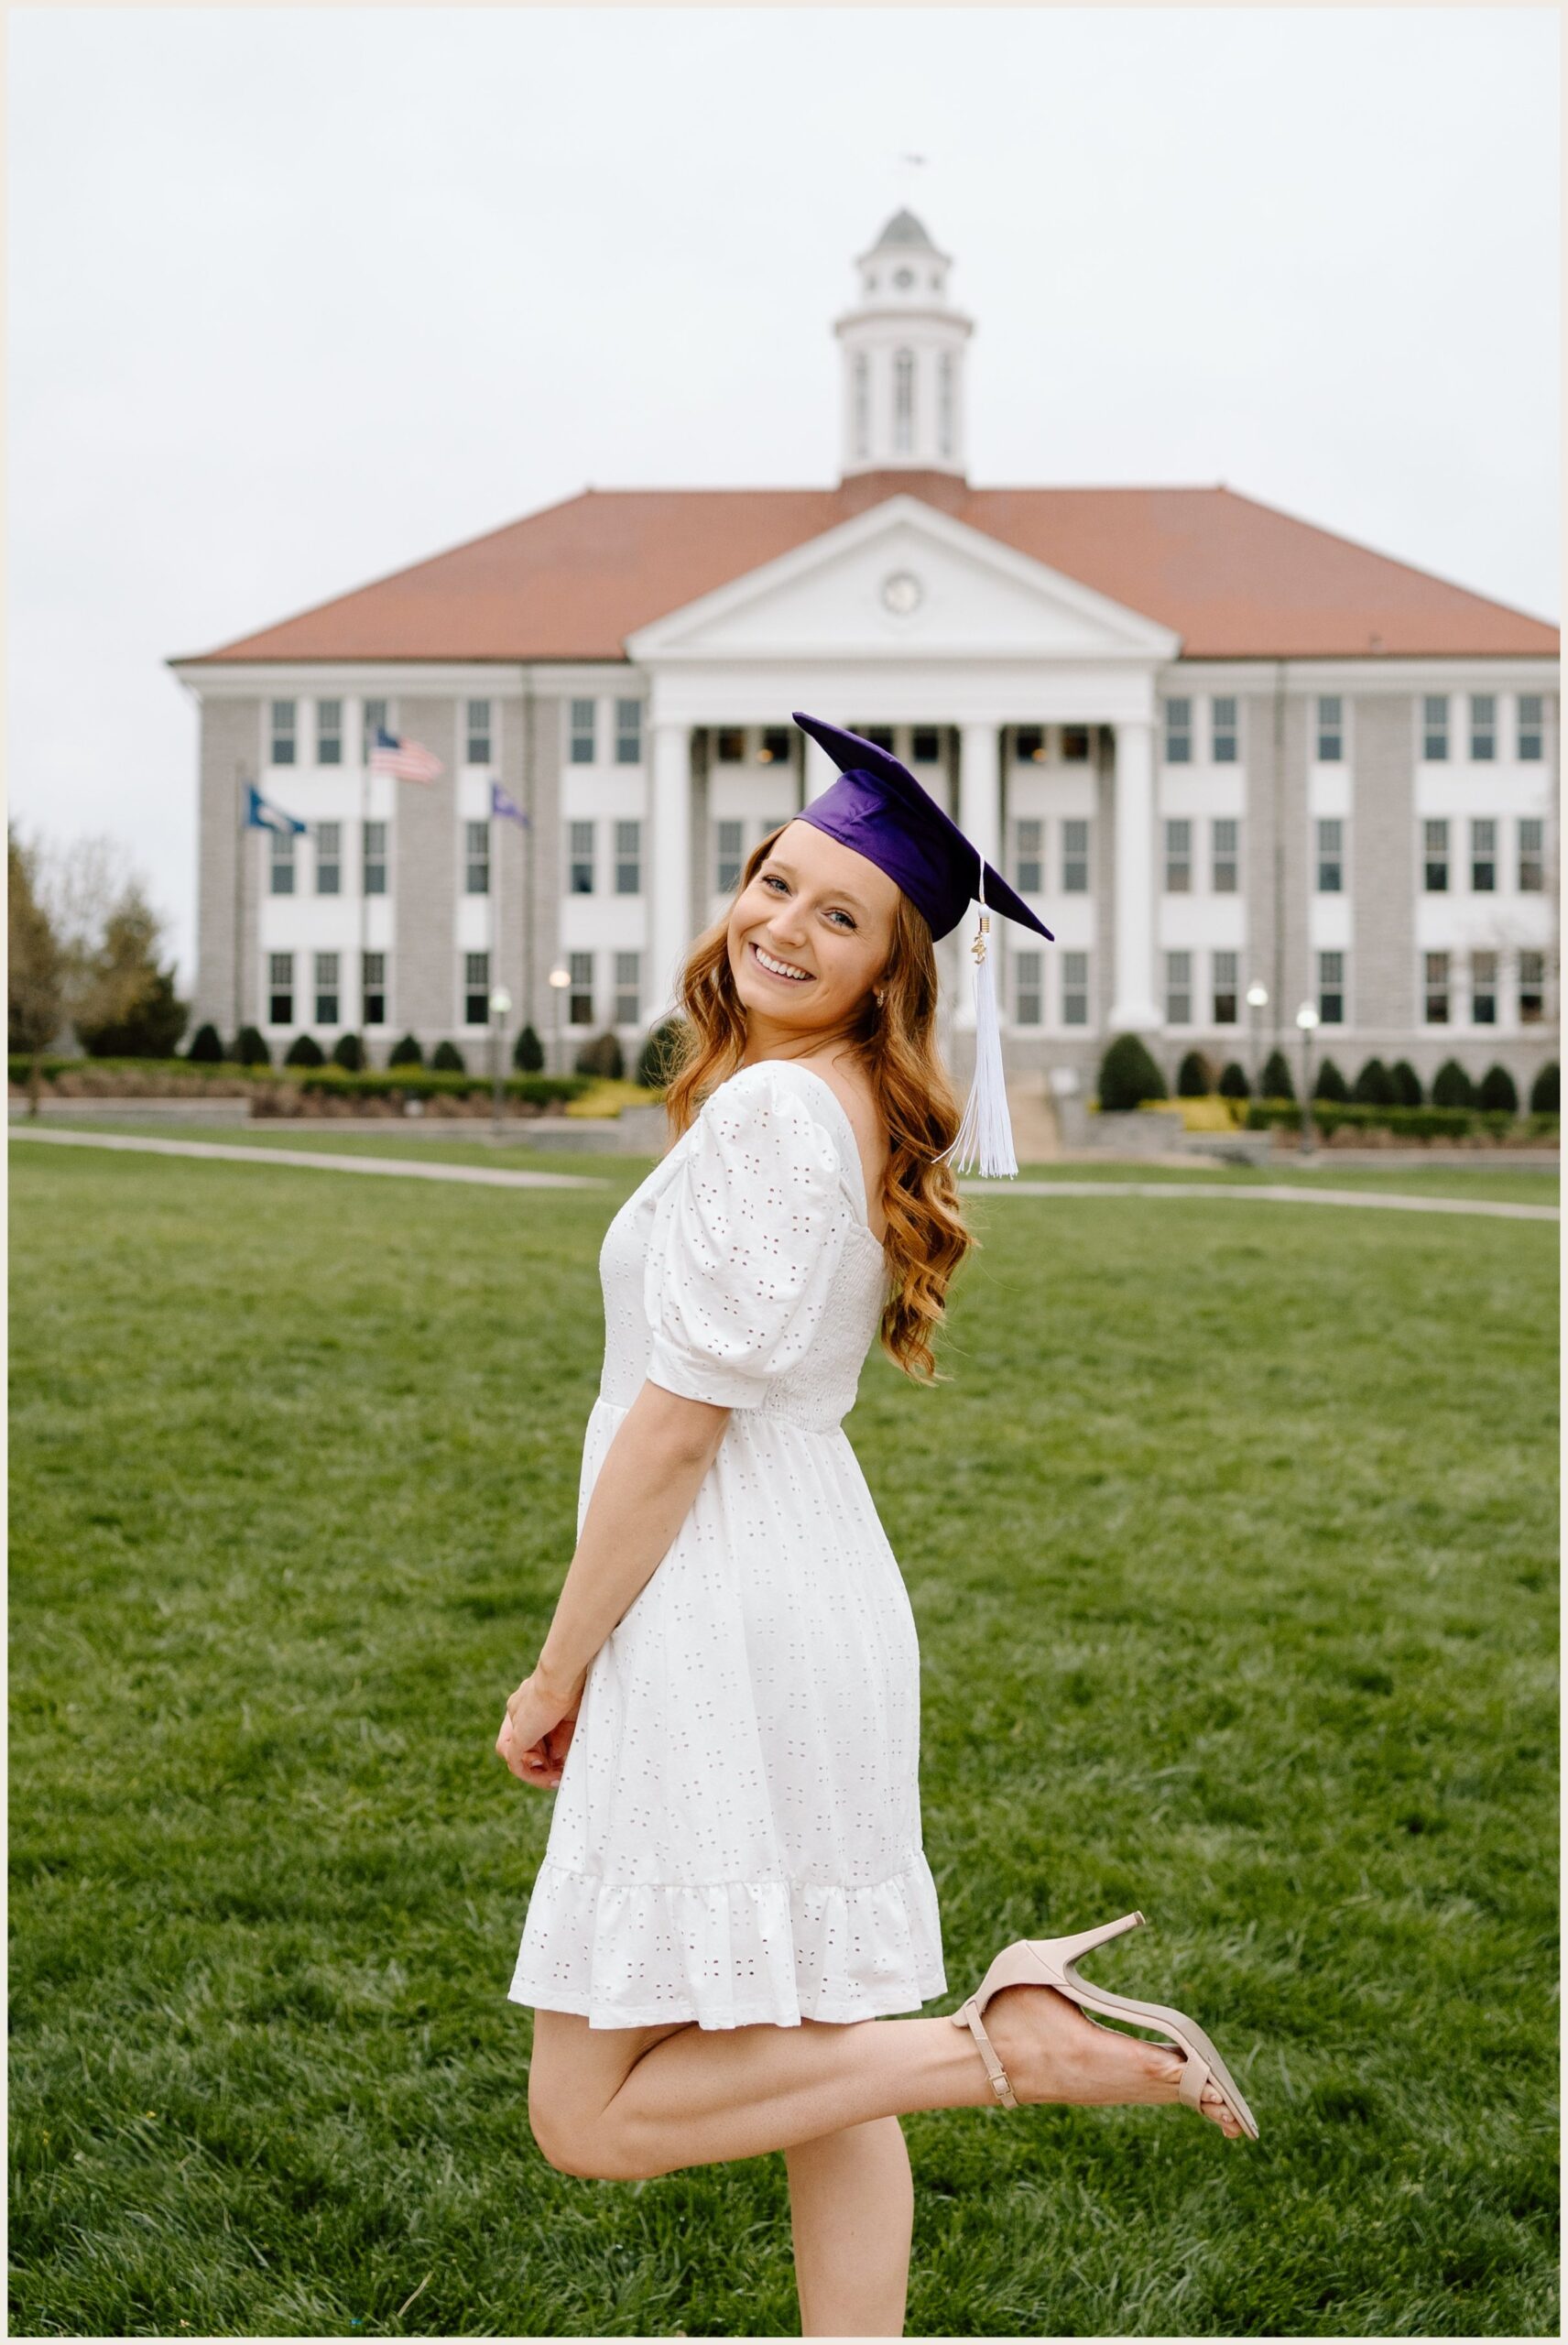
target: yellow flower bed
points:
(607, 1098)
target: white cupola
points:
(903, 358)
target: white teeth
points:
(779, 968)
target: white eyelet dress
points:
(736, 1834)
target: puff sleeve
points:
(746, 1244)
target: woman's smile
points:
(788, 971)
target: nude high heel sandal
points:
(1052, 1963)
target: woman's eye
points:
(844, 917)
(771, 880)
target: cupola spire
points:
(903, 358)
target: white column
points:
(1134, 1009)
(820, 770)
(669, 909)
(980, 820)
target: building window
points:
(329, 732)
(326, 988)
(1028, 858)
(1331, 729)
(1224, 974)
(1029, 744)
(774, 747)
(476, 858)
(1075, 745)
(629, 988)
(583, 714)
(1434, 728)
(1436, 988)
(579, 997)
(1027, 973)
(1483, 989)
(373, 987)
(1531, 711)
(478, 721)
(629, 732)
(726, 856)
(580, 847)
(628, 864)
(1331, 855)
(1531, 988)
(1178, 857)
(280, 988)
(1482, 728)
(903, 401)
(1331, 988)
(1075, 856)
(1222, 731)
(280, 880)
(373, 859)
(880, 736)
(1531, 864)
(1075, 988)
(1177, 989)
(862, 404)
(1223, 864)
(329, 858)
(283, 712)
(1436, 840)
(1178, 732)
(945, 402)
(477, 988)
(729, 744)
(925, 745)
(1483, 856)
(375, 717)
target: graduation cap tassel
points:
(985, 1142)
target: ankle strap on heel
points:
(968, 2016)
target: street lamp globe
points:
(500, 1002)
(1307, 1017)
(559, 978)
(1257, 995)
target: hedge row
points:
(428, 1083)
(1417, 1123)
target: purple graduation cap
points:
(878, 808)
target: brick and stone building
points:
(1213, 744)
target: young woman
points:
(735, 1899)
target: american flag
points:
(408, 760)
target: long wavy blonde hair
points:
(894, 1041)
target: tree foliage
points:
(1277, 1082)
(34, 1000)
(528, 1051)
(1129, 1075)
(126, 1007)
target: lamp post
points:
(559, 979)
(500, 1009)
(1256, 1000)
(1307, 1019)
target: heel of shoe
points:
(1058, 1953)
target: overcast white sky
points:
(298, 296)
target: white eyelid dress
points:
(737, 1834)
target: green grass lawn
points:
(1231, 1541)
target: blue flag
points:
(262, 815)
(507, 808)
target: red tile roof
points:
(1235, 579)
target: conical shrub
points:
(1543, 1091)
(1407, 1082)
(1234, 1083)
(1498, 1093)
(1329, 1084)
(1374, 1086)
(1451, 1087)
(1129, 1075)
(1277, 1082)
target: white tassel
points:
(985, 1142)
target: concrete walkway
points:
(486, 1176)
(482, 1176)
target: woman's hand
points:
(537, 1730)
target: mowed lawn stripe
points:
(1231, 1543)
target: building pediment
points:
(903, 581)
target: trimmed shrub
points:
(602, 1056)
(1234, 1083)
(206, 1047)
(1374, 1086)
(528, 1051)
(423, 1083)
(1329, 1083)
(1194, 1077)
(252, 1048)
(1543, 1091)
(406, 1053)
(1407, 1082)
(348, 1051)
(1129, 1075)
(447, 1059)
(663, 1048)
(1277, 1082)
(304, 1051)
(1451, 1087)
(1498, 1092)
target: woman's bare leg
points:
(627, 2102)
(852, 2208)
